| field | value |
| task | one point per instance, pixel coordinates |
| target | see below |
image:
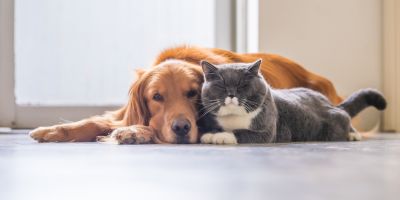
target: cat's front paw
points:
(224, 138)
(354, 136)
(218, 138)
(207, 138)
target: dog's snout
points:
(181, 127)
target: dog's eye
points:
(158, 97)
(191, 93)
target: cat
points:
(239, 106)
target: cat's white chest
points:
(231, 117)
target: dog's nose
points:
(181, 127)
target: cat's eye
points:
(158, 97)
(191, 93)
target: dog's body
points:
(164, 101)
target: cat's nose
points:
(231, 95)
(181, 127)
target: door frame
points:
(391, 64)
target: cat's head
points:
(232, 89)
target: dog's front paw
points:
(48, 134)
(129, 135)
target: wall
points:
(340, 40)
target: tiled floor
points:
(343, 170)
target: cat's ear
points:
(254, 68)
(209, 70)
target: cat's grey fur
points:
(260, 114)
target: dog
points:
(164, 100)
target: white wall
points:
(339, 39)
(72, 52)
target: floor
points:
(365, 170)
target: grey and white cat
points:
(240, 107)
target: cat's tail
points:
(361, 99)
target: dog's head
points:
(166, 98)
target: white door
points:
(68, 59)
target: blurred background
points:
(63, 60)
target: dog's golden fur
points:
(176, 72)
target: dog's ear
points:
(137, 112)
(139, 72)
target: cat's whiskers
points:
(249, 103)
(199, 102)
(246, 106)
(209, 109)
(252, 103)
(204, 114)
(212, 104)
(213, 100)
